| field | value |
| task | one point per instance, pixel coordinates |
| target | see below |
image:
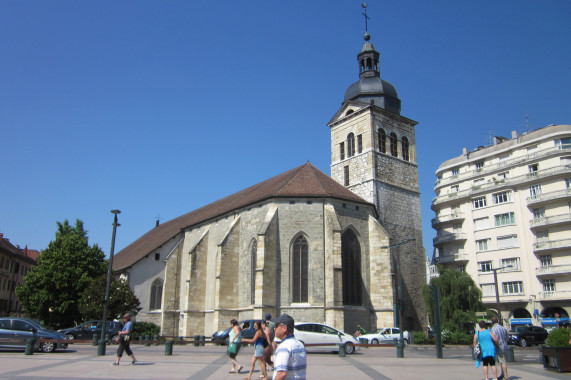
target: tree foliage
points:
(460, 299)
(121, 299)
(52, 288)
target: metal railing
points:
(551, 244)
(538, 222)
(447, 218)
(553, 269)
(554, 295)
(539, 198)
(449, 237)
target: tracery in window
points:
(299, 267)
(156, 294)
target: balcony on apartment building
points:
(551, 245)
(499, 184)
(551, 270)
(502, 165)
(449, 237)
(453, 258)
(554, 295)
(548, 197)
(443, 219)
(549, 221)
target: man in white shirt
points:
(290, 356)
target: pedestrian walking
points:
(486, 339)
(125, 339)
(269, 347)
(234, 343)
(502, 335)
(290, 357)
(258, 342)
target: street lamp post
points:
(495, 270)
(102, 343)
(399, 292)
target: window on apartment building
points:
(535, 191)
(479, 202)
(504, 219)
(513, 287)
(533, 169)
(461, 268)
(538, 213)
(503, 175)
(360, 143)
(481, 223)
(482, 245)
(342, 150)
(485, 266)
(479, 166)
(513, 262)
(346, 175)
(393, 140)
(478, 182)
(503, 158)
(156, 294)
(542, 236)
(566, 161)
(563, 143)
(454, 189)
(382, 141)
(545, 260)
(404, 143)
(488, 290)
(455, 172)
(548, 285)
(531, 151)
(503, 197)
(350, 145)
(508, 241)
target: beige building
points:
(506, 208)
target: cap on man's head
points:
(268, 316)
(285, 319)
(127, 316)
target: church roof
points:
(304, 181)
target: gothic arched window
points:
(253, 252)
(393, 139)
(350, 145)
(382, 141)
(351, 263)
(299, 268)
(156, 294)
(405, 155)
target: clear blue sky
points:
(157, 108)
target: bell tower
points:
(373, 154)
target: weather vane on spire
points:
(364, 5)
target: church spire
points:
(368, 57)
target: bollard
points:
(509, 354)
(196, 340)
(342, 350)
(168, 347)
(147, 338)
(202, 340)
(156, 339)
(94, 342)
(30, 343)
(101, 345)
(399, 344)
(364, 341)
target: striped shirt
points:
(290, 358)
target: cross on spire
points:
(364, 5)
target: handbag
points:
(232, 348)
(477, 348)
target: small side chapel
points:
(303, 243)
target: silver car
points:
(15, 331)
(324, 337)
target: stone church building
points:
(320, 248)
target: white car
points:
(385, 335)
(316, 333)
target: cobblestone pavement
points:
(80, 361)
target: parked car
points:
(526, 335)
(317, 333)
(88, 329)
(248, 332)
(15, 331)
(386, 335)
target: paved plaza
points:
(80, 361)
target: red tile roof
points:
(304, 181)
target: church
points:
(342, 250)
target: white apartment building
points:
(508, 205)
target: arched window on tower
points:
(382, 141)
(351, 263)
(254, 254)
(405, 155)
(350, 145)
(156, 294)
(393, 139)
(299, 268)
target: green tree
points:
(52, 288)
(460, 299)
(121, 299)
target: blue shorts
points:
(259, 350)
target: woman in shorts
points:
(258, 341)
(486, 340)
(234, 338)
